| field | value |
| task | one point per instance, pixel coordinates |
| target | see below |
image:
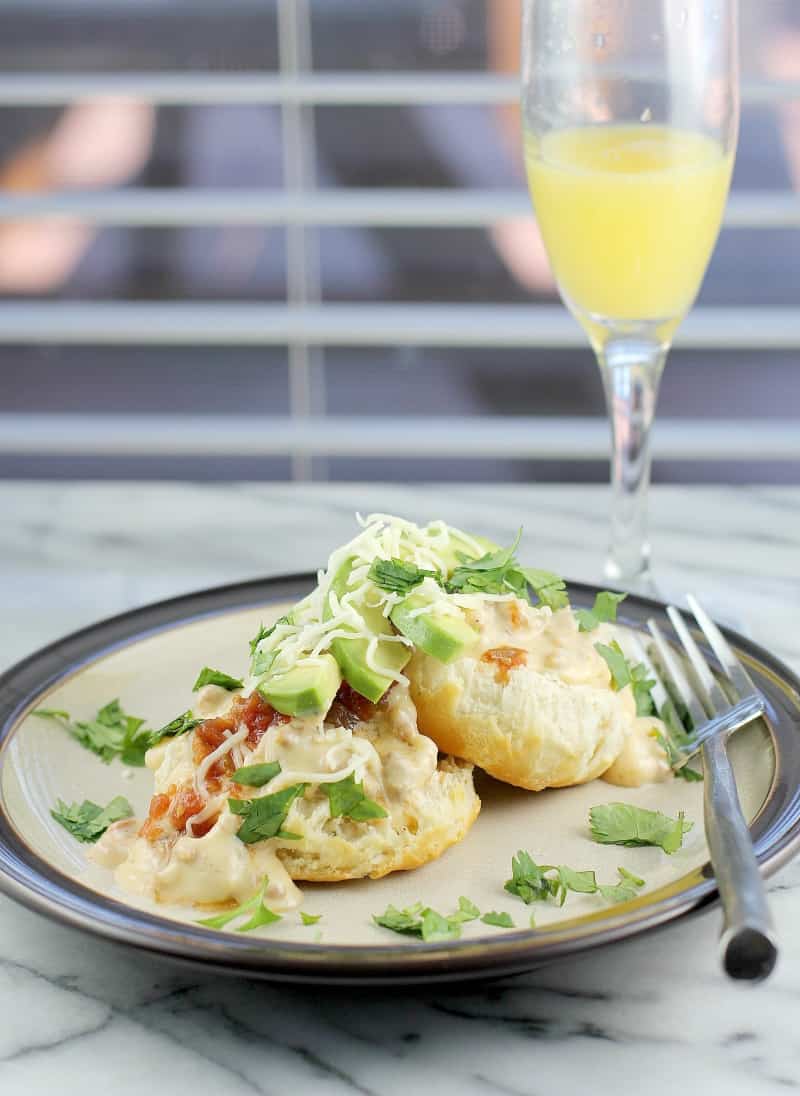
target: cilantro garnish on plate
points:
(549, 588)
(112, 733)
(625, 824)
(495, 572)
(676, 741)
(529, 881)
(265, 815)
(399, 577)
(261, 913)
(256, 776)
(501, 920)
(533, 882)
(604, 611)
(261, 661)
(622, 674)
(425, 923)
(347, 799)
(499, 572)
(88, 821)
(467, 911)
(207, 676)
(181, 724)
(115, 734)
(625, 890)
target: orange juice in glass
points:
(630, 114)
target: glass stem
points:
(631, 369)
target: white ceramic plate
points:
(149, 659)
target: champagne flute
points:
(630, 121)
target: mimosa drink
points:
(629, 215)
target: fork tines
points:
(710, 709)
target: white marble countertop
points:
(653, 1016)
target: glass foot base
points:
(636, 581)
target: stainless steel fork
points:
(748, 943)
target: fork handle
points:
(748, 944)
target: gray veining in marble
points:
(80, 1016)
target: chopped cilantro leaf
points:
(261, 914)
(581, 882)
(137, 743)
(625, 890)
(256, 776)
(499, 572)
(262, 633)
(604, 611)
(673, 748)
(687, 773)
(435, 927)
(495, 572)
(467, 911)
(309, 918)
(265, 815)
(625, 824)
(549, 588)
(347, 799)
(88, 821)
(261, 661)
(399, 577)
(111, 734)
(641, 687)
(491, 561)
(502, 920)
(616, 662)
(407, 921)
(181, 724)
(675, 742)
(426, 923)
(207, 676)
(623, 674)
(528, 880)
(533, 882)
(676, 722)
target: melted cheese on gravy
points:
(207, 870)
(552, 641)
(388, 753)
(554, 644)
(642, 760)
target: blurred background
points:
(223, 222)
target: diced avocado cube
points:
(440, 635)
(351, 654)
(305, 689)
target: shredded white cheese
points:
(325, 616)
(214, 805)
(318, 757)
(201, 772)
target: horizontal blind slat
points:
(257, 324)
(341, 88)
(390, 207)
(486, 437)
